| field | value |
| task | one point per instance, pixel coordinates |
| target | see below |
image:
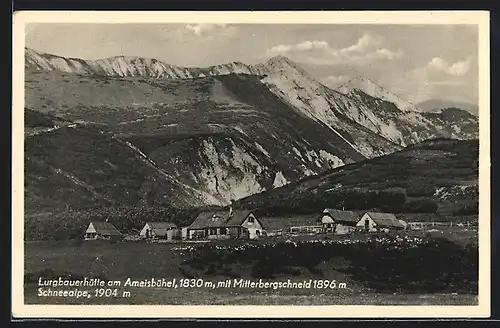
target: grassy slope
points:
(82, 167)
(420, 170)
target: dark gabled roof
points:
(210, 219)
(387, 220)
(343, 216)
(214, 219)
(288, 221)
(161, 225)
(105, 228)
(237, 218)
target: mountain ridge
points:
(122, 66)
(436, 105)
(373, 89)
(344, 109)
(198, 132)
(233, 129)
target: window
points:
(367, 224)
(223, 231)
(250, 219)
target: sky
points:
(416, 62)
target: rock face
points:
(223, 132)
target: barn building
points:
(339, 221)
(376, 221)
(159, 230)
(239, 224)
(287, 225)
(98, 230)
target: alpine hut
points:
(339, 221)
(376, 221)
(225, 225)
(98, 230)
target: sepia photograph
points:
(228, 161)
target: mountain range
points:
(140, 131)
(436, 105)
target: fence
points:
(422, 225)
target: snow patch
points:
(307, 171)
(240, 130)
(279, 180)
(262, 150)
(332, 160)
(298, 153)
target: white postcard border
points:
(21, 310)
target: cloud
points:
(459, 68)
(364, 43)
(439, 69)
(200, 29)
(437, 78)
(210, 30)
(334, 81)
(389, 54)
(366, 49)
(282, 49)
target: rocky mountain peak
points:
(279, 59)
(371, 88)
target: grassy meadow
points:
(416, 269)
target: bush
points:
(316, 201)
(421, 191)
(386, 264)
(467, 209)
(424, 205)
